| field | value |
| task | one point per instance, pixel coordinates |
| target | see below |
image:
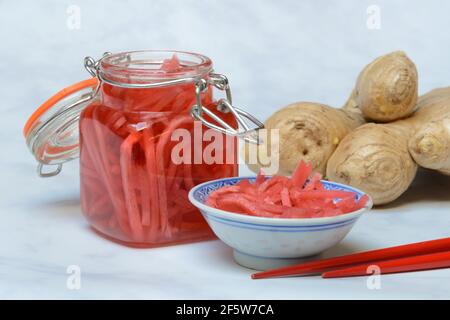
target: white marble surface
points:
(315, 49)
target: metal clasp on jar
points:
(58, 122)
(225, 105)
(219, 81)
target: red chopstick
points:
(414, 263)
(323, 265)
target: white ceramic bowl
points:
(265, 243)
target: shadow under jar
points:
(141, 151)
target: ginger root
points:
(380, 159)
(430, 145)
(311, 131)
(375, 159)
(306, 131)
(386, 89)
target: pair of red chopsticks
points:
(427, 255)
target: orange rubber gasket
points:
(92, 82)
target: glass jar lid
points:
(52, 133)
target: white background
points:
(274, 53)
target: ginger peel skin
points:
(375, 159)
(386, 90)
(430, 145)
(380, 159)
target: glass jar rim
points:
(145, 66)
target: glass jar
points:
(140, 149)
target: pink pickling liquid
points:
(131, 190)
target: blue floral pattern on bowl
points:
(201, 194)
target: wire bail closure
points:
(225, 105)
(219, 81)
